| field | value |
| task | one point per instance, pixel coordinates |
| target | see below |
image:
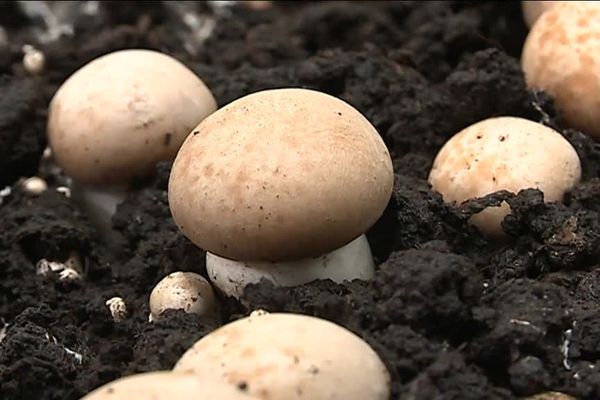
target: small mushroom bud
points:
(117, 308)
(289, 357)
(185, 291)
(34, 185)
(166, 385)
(504, 153)
(33, 60)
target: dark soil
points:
(452, 315)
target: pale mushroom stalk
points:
(353, 261)
(99, 203)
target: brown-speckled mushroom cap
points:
(166, 385)
(278, 175)
(289, 357)
(561, 57)
(504, 153)
(120, 114)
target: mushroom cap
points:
(289, 357)
(279, 175)
(185, 291)
(504, 153)
(166, 385)
(532, 9)
(117, 116)
(560, 57)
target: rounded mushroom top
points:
(532, 9)
(289, 357)
(278, 175)
(185, 291)
(166, 385)
(120, 114)
(560, 57)
(504, 153)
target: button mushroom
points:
(281, 176)
(289, 357)
(560, 57)
(504, 153)
(185, 291)
(165, 385)
(116, 117)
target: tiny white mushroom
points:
(289, 357)
(34, 60)
(185, 291)
(65, 191)
(117, 308)
(166, 385)
(34, 185)
(353, 261)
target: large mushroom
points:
(116, 117)
(282, 178)
(166, 385)
(289, 357)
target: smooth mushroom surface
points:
(504, 153)
(166, 385)
(353, 261)
(289, 357)
(533, 9)
(279, 175)
(185, 291)
(117, 116)
(561, 57)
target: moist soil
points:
(452, 314)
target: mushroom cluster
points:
(282, 184)
(116, 117)
(560, 57)
(504, 153)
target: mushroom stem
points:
(352, 261)
(100, 204)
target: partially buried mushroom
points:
(289, 357)
(504, 153)
(116, 117)
(282, 184)
(166, 385)
(185, 291)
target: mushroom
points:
(116, 117)
(532, 9)
(185, 291)
(504, 153)
(166, 385)
(560, 57)
(285, 177)
(288, 357)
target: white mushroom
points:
(282, 176)
(504, 153)
(185, 291)
(165, 385)
(34, 185)
(119, 115)
(289, 357)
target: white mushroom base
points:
(353, 261)
(100, 204)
